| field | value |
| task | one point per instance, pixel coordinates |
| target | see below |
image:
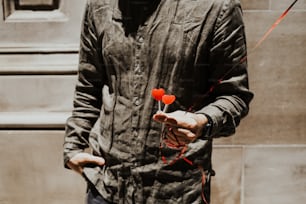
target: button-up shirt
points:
(192, 49)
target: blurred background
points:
(265, 162)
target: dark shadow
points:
(135, 13)
(37, 7)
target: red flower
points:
(168, 99)
(158, 94)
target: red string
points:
(243, 59)
(203, 184)
(262, 39)
(181, 156)
(274, 25)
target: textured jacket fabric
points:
(192, 49)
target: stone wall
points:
(264, 162)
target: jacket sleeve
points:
(228, 72)
(88, 97)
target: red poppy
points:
(158, 93)
(168, 99)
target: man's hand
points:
(80, 160)
(182, 127)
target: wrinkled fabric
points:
(93, 196)
(183, 46)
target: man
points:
(193, 49)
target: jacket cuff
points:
(214, 115)
(69, 153)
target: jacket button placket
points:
(138, 80)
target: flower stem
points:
(165, 108)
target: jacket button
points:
(135, 133)
(137, 102)
(140, 39)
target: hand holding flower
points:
(183, 127)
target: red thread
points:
(188, 161)
(203, 184)
(261, 40)
(164, 159)
(274, 26)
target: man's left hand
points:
(181, 127)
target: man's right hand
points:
(80, 160)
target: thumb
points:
(160, 117)
(96, 160)
(165, 118)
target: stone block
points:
(32, 171)
(34, 93)
(275, 175)
(255, 4)
(226, 185)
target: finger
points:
(180, 119)
(175, 139)
(165, 118)
(171, 121)
(169, 135)
(81, 159)
(170, 144)
(180, 140)
(74, 167)
(183, 121)
(160, 117)
(91, 159)
(186, 134)
(98, 160)
(180, 134)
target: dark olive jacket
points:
(194, 49)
